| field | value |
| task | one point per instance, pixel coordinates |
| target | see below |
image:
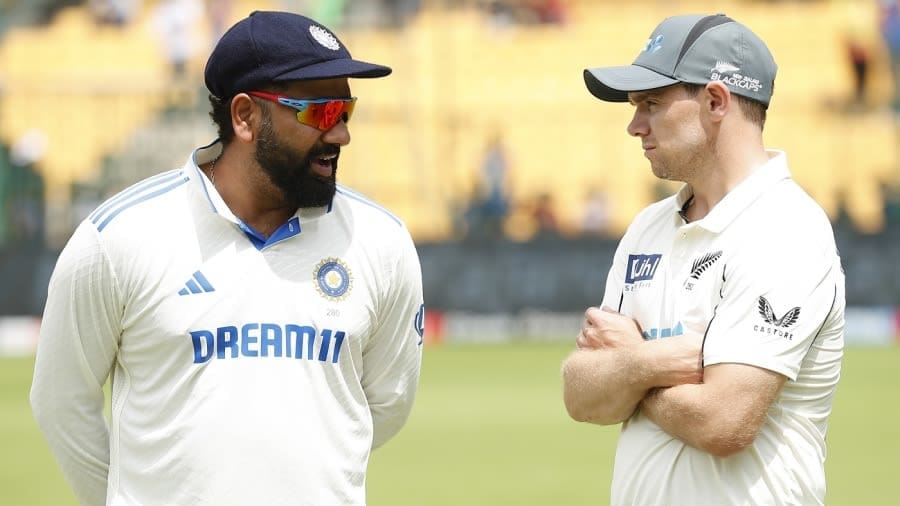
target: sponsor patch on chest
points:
(641, 267)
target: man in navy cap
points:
(261, 326)
(718, 345)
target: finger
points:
(581, 342)
(593, 315)
(608, 309)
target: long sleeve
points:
(76, 350)
(393, 355)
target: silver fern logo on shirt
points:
(776, 325)
(700, 266)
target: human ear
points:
(718, 99)
(245, 117)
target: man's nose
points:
(338, 134)
(638, 125)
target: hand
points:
(683, 366)
(605, 328)
(683, 359)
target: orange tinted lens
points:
(325, 115)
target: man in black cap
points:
(719, 340)
(260, 325)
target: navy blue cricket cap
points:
(694, 49)
(268, 47)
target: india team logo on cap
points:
(333, 279)
(323, 37)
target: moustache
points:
(323, 151)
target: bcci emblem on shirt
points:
(333, 279)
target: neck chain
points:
(212, 171)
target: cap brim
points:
(334, 69)
(613, 84)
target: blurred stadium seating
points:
(104, 99)
(95, 90)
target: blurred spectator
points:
(114, 12)
(219, 14)
(501, 15)
(495, 168)
(25, 189)
(843, 221)
(174, 22)
(889, 21)
(891, 197)
(29, 148)
(399, 12)
(595, 215)
(489, 203)
(857, 32)
(484, 215)
(548, 12)
(544, 217)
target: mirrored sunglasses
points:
(321, 113)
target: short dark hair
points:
(220, 112)
(754, 111)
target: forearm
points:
(76, 432)
(603, 386)
(391, 397)
(390, 383)
(678, 411)
(387, 420)
(67, 400)
(719, 421)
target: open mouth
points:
(324, 165)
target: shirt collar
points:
(201, 156)
(741, 196)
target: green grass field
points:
(489, 428)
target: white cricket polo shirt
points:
(760, 276)
(245, 371)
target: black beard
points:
(300, 187)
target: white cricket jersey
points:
(760, 277)
(245, 371)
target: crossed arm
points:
(614, 372)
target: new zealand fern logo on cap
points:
(723, 67)
(333, 278)
(323, 37)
